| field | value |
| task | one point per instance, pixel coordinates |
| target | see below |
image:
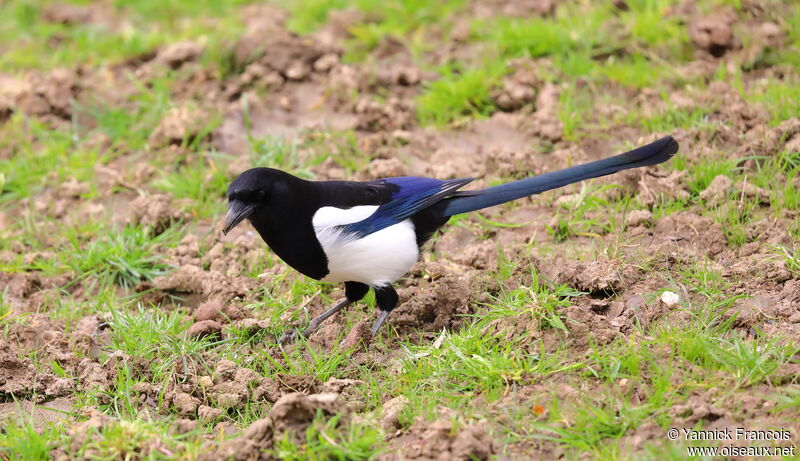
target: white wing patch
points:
(377, 259)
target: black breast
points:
(295, 243)
(284, 222)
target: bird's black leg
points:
(386, 298)
(353, 291)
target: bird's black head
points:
(249, 193)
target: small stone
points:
(205, 381)
(670, 299)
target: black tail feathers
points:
(652, 154)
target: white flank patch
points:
(378, 259)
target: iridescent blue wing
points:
(410, 195)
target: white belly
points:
(378, 259)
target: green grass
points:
(21, 439)
(203, 183)
(149, 25)
(702, 174)
(520, 364)
(457, 95)
(407, 21)
(125, 258)
(150, 439)
(327, 439)
(780, 99)
(790, 256)
(588, 213)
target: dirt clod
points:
(713, 34)
(594, 277)
(391, 413)
(191, 279)
(386, 168)
(204, 328)
(63, 13)
(206, 413)
(19, 378)
(718, 190)
(375, 116)
(441, 305)
(217, 311)
(290, 417)
(179, 125)
(437, 441)
(157, 212)
(359, 336)
(179, 53)
(292, 413)
(185, 403)
(639, 217)
(44, 94)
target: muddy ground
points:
(337, 117)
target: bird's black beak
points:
(237, 212)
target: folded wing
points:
(410, 195)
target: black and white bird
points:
(368, 234)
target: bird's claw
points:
(289, 338)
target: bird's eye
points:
(260, 194)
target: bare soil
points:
(293, 86)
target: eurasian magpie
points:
(368, 234)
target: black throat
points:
(284, 222)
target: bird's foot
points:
(314, 324)
(378, 322)
(289, 338)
